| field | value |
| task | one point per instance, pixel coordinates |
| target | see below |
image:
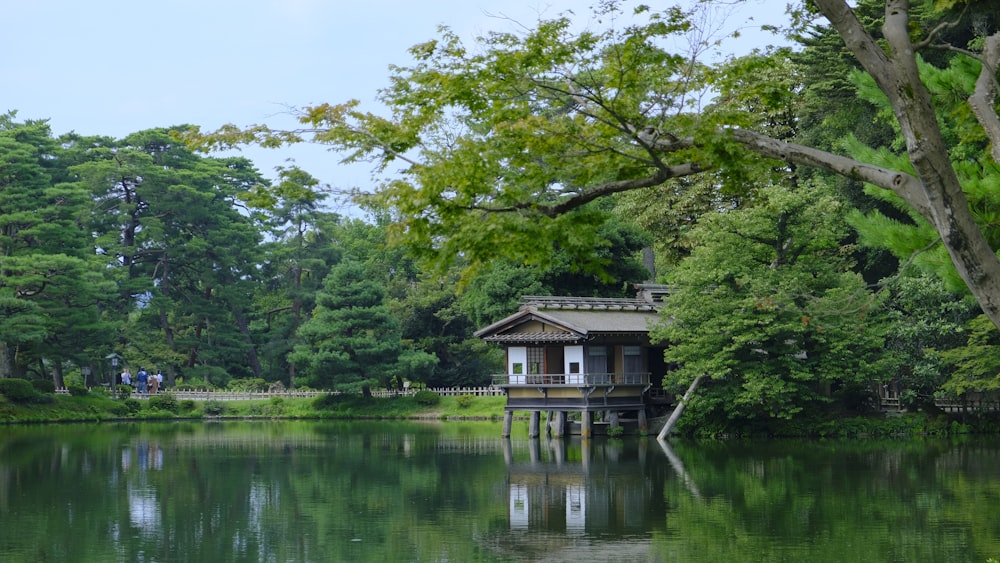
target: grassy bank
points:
(97, 407)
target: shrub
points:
(214, 408)
(43, 385)
(194, 387)
(616, 431)
(132, 406)
(123, 392)
(77, 390)
(187, 405)
(193, 384)
(164, 401)
(17, 390)
(329, 401)
(247, 385)
(426, 398)
(465, 401)
(43, 399)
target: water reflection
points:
(583, 486)
(303, 491)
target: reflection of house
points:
(580, 354)
(571, 487)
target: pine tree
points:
(352, 341)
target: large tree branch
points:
(904, 185)
(896, 73)
(983, 97)
(596, 192)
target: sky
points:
(115, 67)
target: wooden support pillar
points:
(613, 421)
(533, 424)
(643, 423)
(586, 425)
(560, 424)
(548, 424)
(508, 420)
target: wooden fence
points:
(223, 395)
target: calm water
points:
(386, 492)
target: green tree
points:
(496, 290)
(185, 255)
(352, 340)
(975, 364)
(507, 145)
(295, 260)
(924, 317)
(768, 308)
(51, 283)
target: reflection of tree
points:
(850, 501)
(307, 491)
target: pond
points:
(400, 491)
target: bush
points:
(77, 390)
(43, 385)
(187, 405)
(17, 390)
(214, 408)
(247, 385)
(329, 401)
(132, 406)
(194, 387)
(123, 392)
(427, 398)
(465, 401)
(165, 402)
(194, 384)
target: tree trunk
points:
(57, 374)
(252, 358)
(937, 192)
(6, 362)
(679, 409)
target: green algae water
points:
(398, 491)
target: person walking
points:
(142, 381)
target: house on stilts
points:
(582, 355)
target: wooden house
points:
(581, 354)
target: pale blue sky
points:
(114, 67)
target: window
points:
(632, 359)
(536, 358)
(597, 359)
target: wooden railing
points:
(224, 395)
(573, 379)
(949, 405)
(489, 391)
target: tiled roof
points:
(518, 337)
(592, 321)
(543, 302)
(578, 318)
